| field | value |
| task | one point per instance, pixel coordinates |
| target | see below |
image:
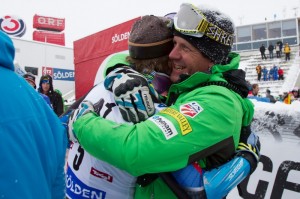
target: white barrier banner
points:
(278, 173)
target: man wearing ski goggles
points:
(191, 21)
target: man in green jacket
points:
(205, 113)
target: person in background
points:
(287, 51)
(256, 96)
(258, 71)
(275, 72)
(46, 88)
(280, 47)
(280, 74)
(277, 48)
(265, 73)
(30, 78)
(32, 140)
(63, 100)
(255, 90)
(271, 74)
(200, 60)
(295, 94)
(271, 48)
(287, 96)
(262, 50)
(271, 97)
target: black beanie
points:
(214, 50)
(150, 37)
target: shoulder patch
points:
(184, 124)
(165, 125)
(191, 109)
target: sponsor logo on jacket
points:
(165, 125)
(184, 125)
(191, 109)
(100, 174)
(78, 189)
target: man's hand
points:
(84, 108)
(134, 96)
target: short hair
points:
(254, 86)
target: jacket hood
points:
(115, 59)
(7, 52)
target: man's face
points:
(187, 59)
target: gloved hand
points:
(134, 96)
(84, 108)
(249, 147)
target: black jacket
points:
(55, 98)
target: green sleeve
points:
(167, 140)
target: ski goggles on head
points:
(190, 21)
(160, 81)
(45, 81)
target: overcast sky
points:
(85, 17)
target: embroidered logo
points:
(184, 124)
(191, 109)
(165, 125)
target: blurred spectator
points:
(255, 89)
(63, 100)
(46, 87)
(265, 73)
(277, 48)
(271, 97)
(287, 51)
(262, 50)
(271, 48)
(275, 72)
(254, 94)
(258, 71)
(271, 74)
(280, 98)
(30, 78)
(32, 139)
(287, 97)
(280, 73)
(280, 47)
(295, 94)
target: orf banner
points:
(278, 173)
(91, 51)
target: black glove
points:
(134, 96)
(249, 147)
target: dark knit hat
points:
(150, 37)
(214, 50)
(30, 78)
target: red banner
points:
(48, 23)
(49, 37)
(89, 53)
